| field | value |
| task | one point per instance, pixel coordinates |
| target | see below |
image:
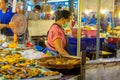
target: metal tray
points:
(59, 63)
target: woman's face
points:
(2, 4)
(37, 11)
(66, 20)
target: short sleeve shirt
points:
(33, 16)
(5, 18)
(55, 32)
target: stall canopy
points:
(91, 5)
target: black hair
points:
(6, 1)
(62, 14)
(59, 7)
(37, 7)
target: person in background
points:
(56, 39)
(42, 15)
(93, 20)
(59, 8)
(84, 19)
(5, 17)
(104, 24)
(19, 8)
(34, 14)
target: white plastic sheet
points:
(32, 54)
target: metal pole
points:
(98, 29)
(23, 36)
(71, 5)
(24, 7)
(83, 66)
(83, 63)
(113, 15)
(79, 27)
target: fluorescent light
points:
(56, 0)
(87, 11)
(103, 11)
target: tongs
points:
(73, 57)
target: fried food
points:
(6, 67)
(14, 73)
(59, 63)
(21, 65)
(50, 73)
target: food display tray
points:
(59, 62)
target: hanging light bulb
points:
(87, 11)
(103, 11)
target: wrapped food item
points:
(32, 54)
(2, 38)
(50, 73)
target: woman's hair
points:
(62, 14)
(6, 1)
(37, 7)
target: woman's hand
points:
(3, 26)
(58, 47)
(11, 25)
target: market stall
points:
(16, 65)
(26, 62)
(84, 69)
(22, 61)
(88, 32)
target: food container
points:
(112, 40)
(59, 62)
(89, 33)
(74, 32)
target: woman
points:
(56, 37)
(5, 17)
(93, 20)
(34, 14)
(104, 24)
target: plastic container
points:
(87, 44)
(73, 49)
(112, 40)
(72, 40)
(89, 33)
(74, 32)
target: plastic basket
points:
(112, 40)
(89, 33)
